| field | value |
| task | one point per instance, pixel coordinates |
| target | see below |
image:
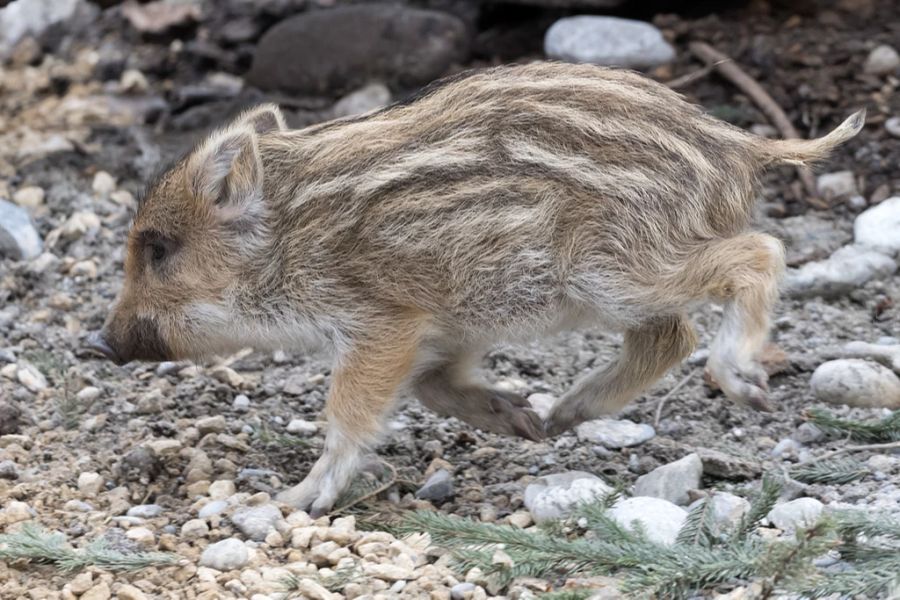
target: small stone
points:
(877, 227)
(856, 382)
(164, 448)
(88, 393)
(81, 223)
(882, 463)
(556, 496)
(98, 592)
(78, 506)
(226, 555)
(29, 197)
(19, 240)
(520, 519)
(223, 488)
(90, 484)
(10, 417)
(29, 376)
(8, 470)
(607, 41)
(81, 583)
(363, 100)
(615, 434)
(661, 519)
(673, 481)
(256, 521)
(882, 60)
(808, 433)
(129, 592)
(727, 511)
(801, 512)
(87, 268)
(840, 184)
(892, 126)
(133, 81)
(438, 488)
(542, 403)
(302, 428)
(194, 529)
(844, 271)
(216, 507)
(145, 511)
(241, 403)
(227, 375)
(722, 465)
(214, 424)
(141, 535)
(103, 185)
(17, 511)
(785, 448)
(387, 571)
(462, 591)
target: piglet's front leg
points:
(366, 382)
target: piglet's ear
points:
(226, 170)
(263, 119)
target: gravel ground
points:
(183, 458)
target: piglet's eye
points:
(157, 252)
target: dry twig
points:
(662, 403)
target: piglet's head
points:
(196, 234)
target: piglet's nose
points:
(96, 341)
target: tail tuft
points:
(803, 152)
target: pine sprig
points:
(34, 544)
(883, 430)
(835, 471)
(696, 563)
(759, 508)
(698, 526)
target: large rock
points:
(556, 496)
(334, 51)
(842, 272)
(614, 434)
(673, 481)
(661, 519)
(856, 382)
(879, 227)
(607, 41)
(19, 239)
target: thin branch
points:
(689, 78)
(381, 488)
(662, 403)
(862, 448)
(744, 82)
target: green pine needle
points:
(883, 430)
(34, 544)
(696, 564)
(834, 472)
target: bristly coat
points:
(500, 204)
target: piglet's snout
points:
(96, 341)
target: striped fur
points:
(496, 205)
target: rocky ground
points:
(186, 459)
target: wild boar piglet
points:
(497, 205)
